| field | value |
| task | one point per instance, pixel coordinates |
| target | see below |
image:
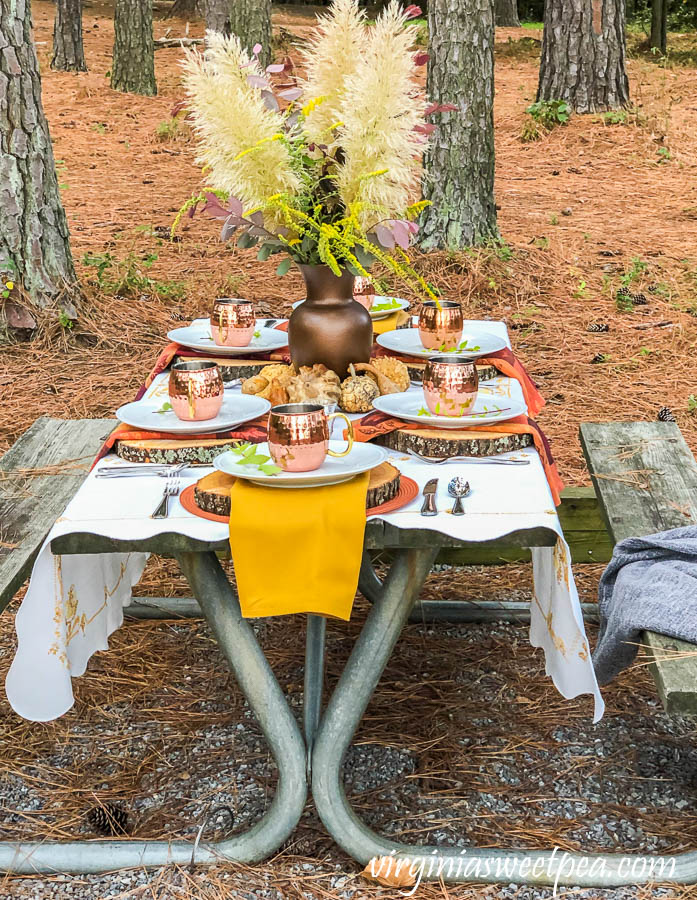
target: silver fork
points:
(271, 323)
(489, 460)
(172, 485)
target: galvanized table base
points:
(327, 737)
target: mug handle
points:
(349, 423)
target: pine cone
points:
(624, 291)
(109, 820)
(599, 358)
(598, 327)
(640, 299)
(665, 414)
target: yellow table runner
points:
(380, 326)
(297, 551)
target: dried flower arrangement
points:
(321, 167)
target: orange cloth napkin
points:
(297, 551)
(376, 423)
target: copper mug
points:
(233, 322)
(440, 329)
(364, 291)
(450, 385)
(299, 436)
(195, 390)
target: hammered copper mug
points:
(195, 390)
(299, 436)
(440, 328)
(364, 291)
(450, 385)
(233, 322)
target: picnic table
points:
(313, 755)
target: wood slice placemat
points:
(201, 450)
(232, 368)
(449, 442)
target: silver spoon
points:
(458, 488)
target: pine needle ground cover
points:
(465, 739)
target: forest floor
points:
(595, 205)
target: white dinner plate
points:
(382, 308)
(411, 407)
(474, 343)
(332, 471)
(197, 336)
(236, 409)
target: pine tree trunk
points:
(133, 67)
(250, 20)
(68, 52)
(33, 228)
(659, 25)
(583, 54)
(459, 162)
(218, 16)
(506, 13)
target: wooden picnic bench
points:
(645, 479)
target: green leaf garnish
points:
(164, 408)
(257, 334)
(249, 457)
(424, 412)
(392, 303)
(459, 349)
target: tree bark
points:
(68, 52)
(583, 54)
(250, 20)
(659, 26)
(506, 13)
(458, 174)
(33, 228)
(218, 16)
(133, 66)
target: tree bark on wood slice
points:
(458, 176)
(34, 241)
(133, 65)
(202, 451)
(250, 20)
(230, 368)
(68, 51)
(506, 13)
(583, 54)
(439, 442)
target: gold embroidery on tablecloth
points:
(66, 613)
(561, 564)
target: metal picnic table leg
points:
(371, 652)
(237, 641)
(315, 638)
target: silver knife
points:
(429, 504)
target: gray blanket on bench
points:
(650, 584)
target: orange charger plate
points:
(408, 489)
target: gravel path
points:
(464, 744)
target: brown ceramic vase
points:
(329, 327)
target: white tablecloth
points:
(74, 602)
